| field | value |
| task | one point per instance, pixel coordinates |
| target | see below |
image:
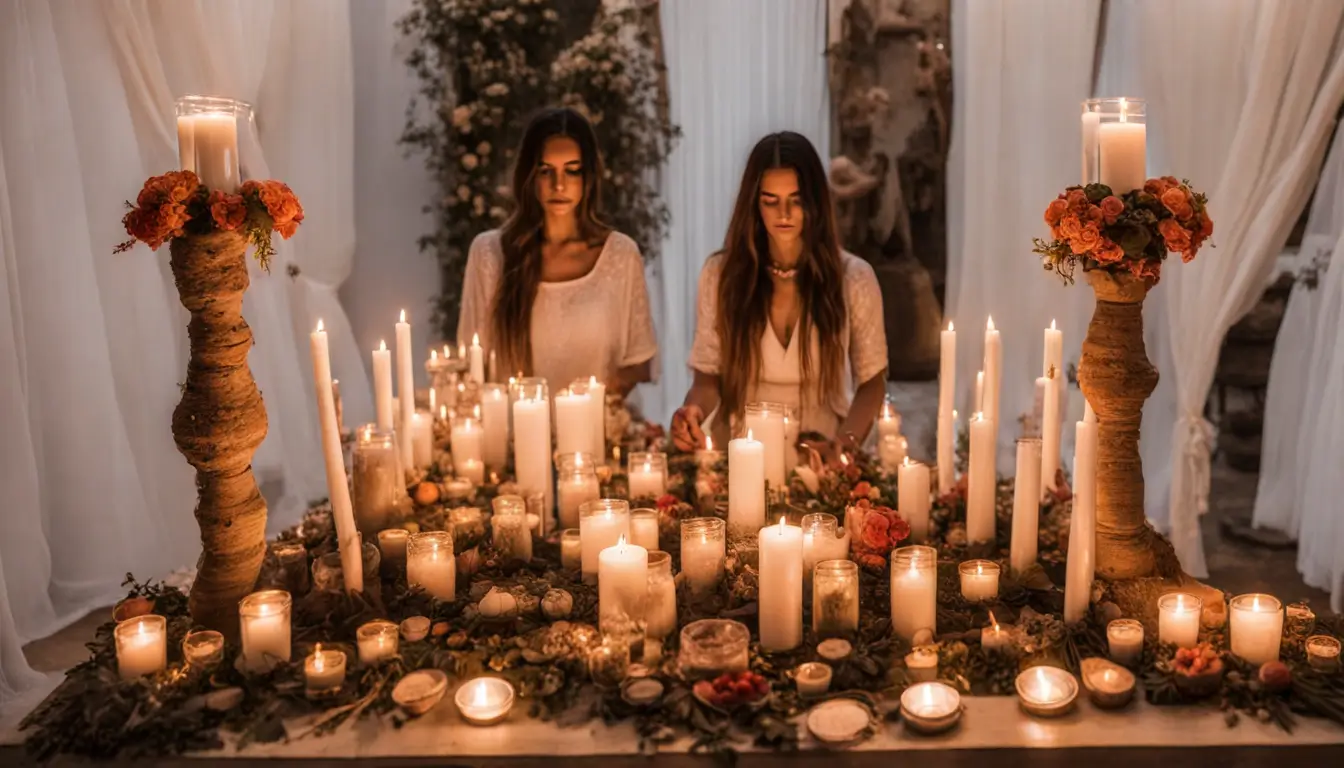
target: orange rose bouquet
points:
(1132, 232)
(177, 204)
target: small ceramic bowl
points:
(414, 629)
(418, 692)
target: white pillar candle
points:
(431, 564)
(477, 365)
(892, 451)
(1124, 639)
(215, 140)
(186, 143)
(947, 436)
(142, 646)
(703, 551)
(781, 586)
(532, 438)
(1123, 151)
(1091, 123)
(765, 422)
(495, 422)
(888, 422)
(647, 475)
(1083, 525)
(644, 528)
(492, 370)
(382, 385)
(979, 580)
(377, 641)
(912, 494)
(468, 443)
(338, 491)
(993, 372)
(422, 438)
(914, 591)
(1178, 615)
(1257, 627)
(324, 670)
(601, 524)
(263, 626)
(405, 388)
(981, 481)
(622, 584)
(1026, 505)
(746, 484)
(573, 422)
(576, 486)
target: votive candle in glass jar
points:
(203, 648)
(511, 535)
(571, 549)
(431, 564)
(485, 700)
(377, 478)
(1299, 620)
(576, 486)
(1256, 622)
(1322, 652)
(324, 671)
(609, 661)
(207, 140)
(710, 647)
(377, 640)
(291, 556)
(820, 543)
(264, 625)
(467, 524)
(142, 646)
(468, 445)
(835, 598)
(647, 473)
(703, 552)
(1124, 637)
(1178, 615)
(644, 528)
(1115, 143)
(392, 543)
(660, 615)
(914, 591)
(601, 524)
(979, 580)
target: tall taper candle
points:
(477, 359)
(947, 386)
(1083, 527)
(746, 485)
(382, 385)
(993, 372)
(405, 389)
(1026, 505)
(781, 586)
(1052, 405)
(347, 535)
(981, 482)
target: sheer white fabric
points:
(780, 379)
(1020, 71)
(590, 326)
(736, 71)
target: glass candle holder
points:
(914, 591)
(142, 646)
(264, 626)
(710, 647)
(485, 700)
(709, 467)
(609, 661)
(647, 473)
(539, 520)
(660, 615)
(930, 707)
(468, 447)
(531, 406)
(571, 549)
(392, 545)
(601, 524)
(291, 559)
(324, 671)
(835, 598)
(644, 528)
(1322, 652)
(1256, 622)
(765, 422)
(1114, 143)
(892, 451)
(1046, 691)
(431, 564)
(596, 392)
(377, 480)
(821, 542)
(703, 553)
(203, 649)
(576, 486)
(510, 532)
(1178, 616)
(377, 641)
(793, 428)
(1124, 638)
(979, 580)
(329, 574)
(207, 139)
(495, 423)
(467, 525)
(1299, 620)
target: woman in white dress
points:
(784, 314)
(555, 292)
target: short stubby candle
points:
(378, 641)
(142, 646)
(510, 532)
(431, 564)
(601, 524)
(660, 614)
(324, 670)
(703, 553)
(485, 700)
(644, 528)
(264, 627)
(647, 474)
(996, 637)
(914, 591)
(1178, 616)
(392, 547)
(1257, 627)
(622, 584)
(979, 580)
(1046, 691)
(1124, 638)
(576, 486)
(203, 648)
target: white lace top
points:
(780, 379)
(590, 326)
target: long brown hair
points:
(745, 285)
(523, 232)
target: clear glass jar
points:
(821, 542)
(703, 553)
(142, 646)
(1115, 143)
(377, 641)
(532, 456)
(329, 573)
(660, 617)
(203, 649)
(431, 564)
(207, 139)
(264, 626)
(710, 647)
(377, 480)
(576, 485)
(835, 598)
(468, 527)
(765, 422)
(601, 524)
(914, 591)
(647, 474)
(571, 549)
(644, 528)
(468, 448)
(291, 566)
(510, 532)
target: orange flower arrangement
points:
(176, 204)
(1132, 232)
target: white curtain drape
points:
(1244, 109)
(1020, 71)
(92, 345)
(736, 71)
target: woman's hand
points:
(686, 432)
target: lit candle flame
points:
(749, 434)
(403, 316)
(989, 326)
(979, 569)
(578, 460)
(709, 443)
(949, 326)
(620, 542)
(648, 467)
(1124, 109)
(781, 525)
(979, 416)
(476, 411)
(447, 352)
(319, 325)
(480, 697)
(382, 345)
(994, 621)
(592, 381)
(443, 412)
(317, 658)
(475, 339)
(433, 355)
(1052, 324)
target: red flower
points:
(1088, 239)
(281, 203)
(227, 211)
(1155, 187)
(1108, 252)
(1176, 237)
(861, 490)
(1055, 211)
(1076, 199)
(1177, 200)
(1111, 208)
(1094, 214)
(1070, 226)
(666, 502)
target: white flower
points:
(496, 89)
(581, 62)
(470, 161)
(483, 148)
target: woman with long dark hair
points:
(555, 292)
(784, 315)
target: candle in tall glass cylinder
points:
(510, 532)
(495, 423)
(576, 485)
(644, 528)
(1256, 622)
(573, 422)
(981, 481)
(207, 134)
(979, 580)
(746, 484)
(405, 388)
(1122, 143)
(377, 480)
(1178, 615)
(422, 438)
(597, 393)
(660, 615)
(993, 372)
(781, 586)
(1081, 561)
(338, 491)
(532, 436)
(622, 583)
(914, 591)
(765, 422)
(601, 524)
(703, 552)
(892, 451)
(912, 498)
(142, 646)
(835, 598)
(647, 473)
(431, 564)
(888, 421)
(468, 443)
(1026, 505)
(947, 386)
(264, 627)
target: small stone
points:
(835, 649)
(224, 699)
(480, 589)
(1109, 611)
(498, 604)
